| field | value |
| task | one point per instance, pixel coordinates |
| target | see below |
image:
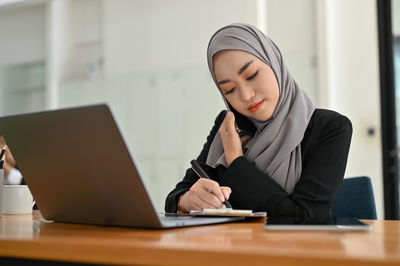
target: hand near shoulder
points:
(204, 194)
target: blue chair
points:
(355, 199)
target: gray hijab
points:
(275, 148)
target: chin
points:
(262, 117)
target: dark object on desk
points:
(1, 164)
(201, 173)
(315, 224)
(87, 192)
(355, 199)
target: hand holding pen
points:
(204, 194)
(202, 174)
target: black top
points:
(324, 150)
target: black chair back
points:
(355, 199)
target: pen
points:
(1, 164)
(201, 173)
(2, 154)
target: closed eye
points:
(230, 91)
(253, 76)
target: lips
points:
(255, 106)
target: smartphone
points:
(243, 125)
(315, 224)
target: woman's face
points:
(248, 84)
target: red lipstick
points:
(255, 106)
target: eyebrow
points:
(243, 68)
(223, 81)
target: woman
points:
(292, 157)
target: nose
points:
(246, 93)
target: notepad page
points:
(227, 210)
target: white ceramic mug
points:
(17, 199)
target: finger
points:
(226, 191)
(202, 191)
(226, 124)
(244, 139)
(7, 167)
(9, 157)
(194, 202)
(206, 195)
(196, 207)
(206, 205)
(230, 123)
(199, 204)
(210, 201)
(214, 188)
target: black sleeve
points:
(171, 203)
(314, 194)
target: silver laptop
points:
(79, 169)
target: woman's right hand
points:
(204, 194)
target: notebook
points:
(228, 212)
(79, 169)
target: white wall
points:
(348, 45)
(22, 50)
(26, 41)
(145, 36)
(293, 30)
(74, 43)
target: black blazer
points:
(324, 151)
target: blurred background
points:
(147, 60)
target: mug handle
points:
(33, 204)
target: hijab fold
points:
(275, 148)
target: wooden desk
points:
(30, 237)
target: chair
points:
(355, 199)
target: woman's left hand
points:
(230, 138)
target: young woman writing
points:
(291, 158)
